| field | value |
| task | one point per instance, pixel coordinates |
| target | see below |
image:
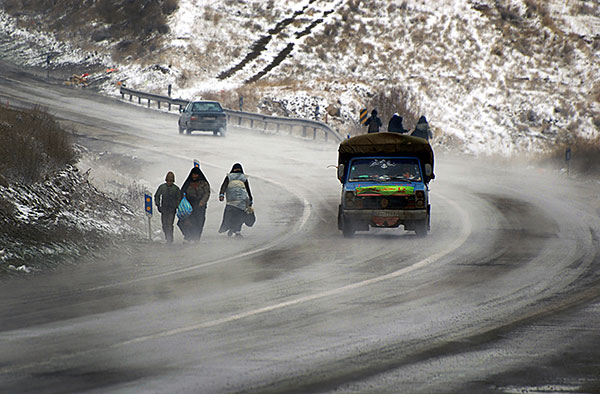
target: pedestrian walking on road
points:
(422, 129)
(236, 190)
(395, 125)
(373, 123)
(196, 190)
(167, 199)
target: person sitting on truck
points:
(373, 123)
(395, 125)
(422, 129)
(410, 172)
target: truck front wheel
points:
(347, 228)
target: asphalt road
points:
(501, 297)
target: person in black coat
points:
(422, 129)
(196, 190)
(373, 123)
(395, 124)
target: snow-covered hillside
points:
(493, 77)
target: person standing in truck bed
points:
(373, 123)
(422, 129)
(395, 125)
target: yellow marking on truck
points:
(385, 190)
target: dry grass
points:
(32, 144)
(134, 25)
(596, 92)
(230, 98)
(391, 100)
(585, 157)
(584, 9)
(509, 14)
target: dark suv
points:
(203, 116)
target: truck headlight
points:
(352, 201)
(420, 199)
(349, 197)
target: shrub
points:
(129, 20)
(509, 14)
(395, 99)
(585, 156)
(32, 144)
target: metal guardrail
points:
(267, 124)
(180, 103)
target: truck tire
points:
(421, 228)
(347, 228)
(181, 129)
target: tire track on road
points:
(462, 237)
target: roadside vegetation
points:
(33, 145)
(585, 157)
(134, 28)
(49, 211)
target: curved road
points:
(502, 296)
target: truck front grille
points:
(387, 202)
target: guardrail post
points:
(239, 120)
(158, 104)
(169, 106)
(278, 124)
(251, 123)
(265, 128)
(148, 103)
(130, 97)
(326, 135)
(304, 131)
(139, 100)
(314, 133)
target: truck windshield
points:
(384, 169)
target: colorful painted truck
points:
(385, 183)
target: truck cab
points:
(385, 183)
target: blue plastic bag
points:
(184, 210)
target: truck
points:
(385, 183)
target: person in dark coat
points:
(236, 190)
(167, 198)
(422, 129)
(373, 123)
(197, 191)
(395, 124)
